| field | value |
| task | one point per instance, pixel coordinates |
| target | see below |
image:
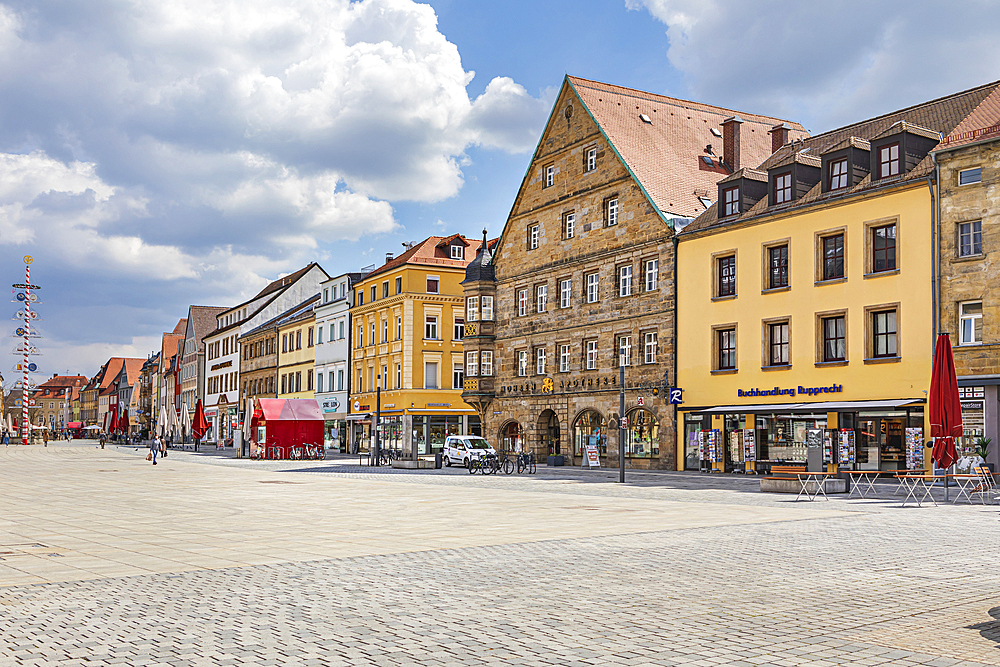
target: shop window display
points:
(511, 437)
(589, 428)
(642, 437)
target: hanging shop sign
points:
(790, 391)
(331, 405)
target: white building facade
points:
(333, 357)
(223, 398)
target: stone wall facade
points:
(971, 276)
(546, 402)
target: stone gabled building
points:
(584, 267)
(968, 255)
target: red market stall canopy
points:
(288, 422)
(74, 425)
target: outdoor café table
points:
(964, 481)
(862, 481)
(914, 483)
(820, 479)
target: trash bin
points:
(437, 460)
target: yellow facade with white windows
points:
(407, 323)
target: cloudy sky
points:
(162, 153)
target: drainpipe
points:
(935, 192)
(678, 428)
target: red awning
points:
(74, 425)
(290, 409)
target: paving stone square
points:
(107, 560)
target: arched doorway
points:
(642, 440)
(511, 437)
(589, 428)
(548, 431)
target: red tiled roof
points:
(423, 253)
(942, 115)
(664, 153)
(982, 123)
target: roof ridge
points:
(912, 107)
(683, 102)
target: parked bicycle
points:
(526, 463)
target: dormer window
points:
(888, 161)
(838, 174)
(731, 198)
(783, 188)
(457, 252)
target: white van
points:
(460, 449)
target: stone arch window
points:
(589, 426)
(511, 437)
(642, 437)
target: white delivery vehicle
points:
(460, 449)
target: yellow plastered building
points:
(297, 356)
(407, 323)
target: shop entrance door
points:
(548, 426)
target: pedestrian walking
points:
(154, 449)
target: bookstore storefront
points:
(885, 435)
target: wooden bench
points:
(788, 472)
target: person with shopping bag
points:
(154, 449)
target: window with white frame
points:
(457, 251)
(564, 358)
(970, 239)
(340, 380)
(522, 302)
(319, 383)
(541, 298)
(783, 188)
(522, 363)
(591, 355)
(731, 200)
(371, 341)
(888, 161)
(459, 332)
(591, 159)
(472, 309)
(625, 280)
(399, 328)
(430, 375)
(487, 311)
(625, 350)
(471, 364)
(533, 237)
(651, 267)
(399, 376)
(565, 293)
(431, 327)
(433, 284)
(457, 376)
(970, 176)
(540, 360)
(611, 212)
(385, 331)
(486, 363)
(970, 323)
(649, 347)
(592, 287)
(569, 225)
(550, 175)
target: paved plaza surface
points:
(207, 560)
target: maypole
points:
(25, 332)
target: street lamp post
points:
(621, 420)
(378, 417)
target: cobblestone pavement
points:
(384, 569)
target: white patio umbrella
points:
(185, 420)
(161, 422)
(173, 425)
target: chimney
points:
(779, 136)
(388, 257)
(731, 142)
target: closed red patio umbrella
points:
(113, 426)
(123, 422)
(945, 406)
(200, 424)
